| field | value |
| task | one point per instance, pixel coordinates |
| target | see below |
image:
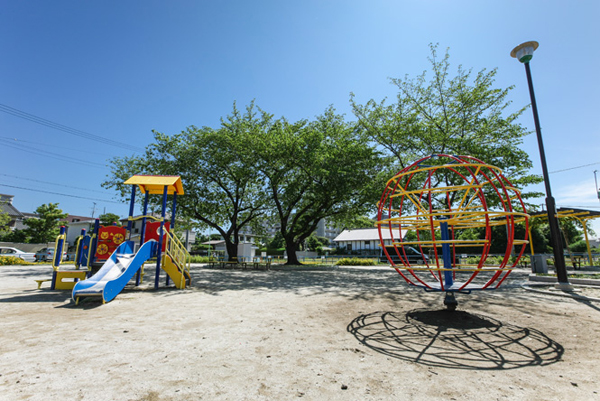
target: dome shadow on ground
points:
(455, 340)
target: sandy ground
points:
(346, 334)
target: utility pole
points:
(596, 180)
(93, 209)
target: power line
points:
(573, 168)
(53, 183)
(58, 193)
(52, 155)
(13, 139)
(82, 134)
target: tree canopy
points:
(255, 169)
(458, 115)
(222, 187)
(108, 219)
(315, 170)
(46, 227)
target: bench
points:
(258, 264)
(233, 263)
(39, 282)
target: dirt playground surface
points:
(344, 334)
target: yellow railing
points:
(55, 265)
(178, 254)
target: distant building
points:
(324, 229)
(16, 217)
(363, 240)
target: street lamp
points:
(524, 53)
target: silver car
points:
(47, 254)
(26, 256)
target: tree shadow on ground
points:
(36, 296)
(454, 340)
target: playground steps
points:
(180, 277)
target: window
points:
(349, 247)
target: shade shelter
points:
(581, 215)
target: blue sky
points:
(119, 69)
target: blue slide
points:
(116, 272)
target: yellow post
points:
(587, 241)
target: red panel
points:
(109, 238)
(152, 232)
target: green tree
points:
(359, 222)
(277, 241)
(313, 242)
(108, 219)
(315, 170)
(459, 115)
(223, 189)
(16, 236)
(4, 220)
(47, 226)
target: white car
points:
(47, 254)
(26, 256)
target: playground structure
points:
(582, 216)
(113, 248)
(451, 202)
(65, 279)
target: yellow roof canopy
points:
(155, 184)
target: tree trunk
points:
(232, 249)
(290, 248)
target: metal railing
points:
(178, 254)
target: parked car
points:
(413, 256)
(26, 256)
(47, 254)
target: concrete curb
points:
(560, 294)
(554, 280)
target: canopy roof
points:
(583, 214)
(155, 184)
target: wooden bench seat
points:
(39, 282)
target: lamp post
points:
(524, 53)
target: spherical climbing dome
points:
(440, 208)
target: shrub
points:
(198, 259)
(355, 262)
(579, 246)
(12, 260)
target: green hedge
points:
(199, 259)
(355, 262)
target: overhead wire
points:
(61, 194)
(52, 155)
(573, 168)
(13, 139)
(69, 130)
(52, 183)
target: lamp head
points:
(524, 52)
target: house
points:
(16, 217)
(188, 237)
(246, 250)
(324, 229)
(364, 240)
(76, 224)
